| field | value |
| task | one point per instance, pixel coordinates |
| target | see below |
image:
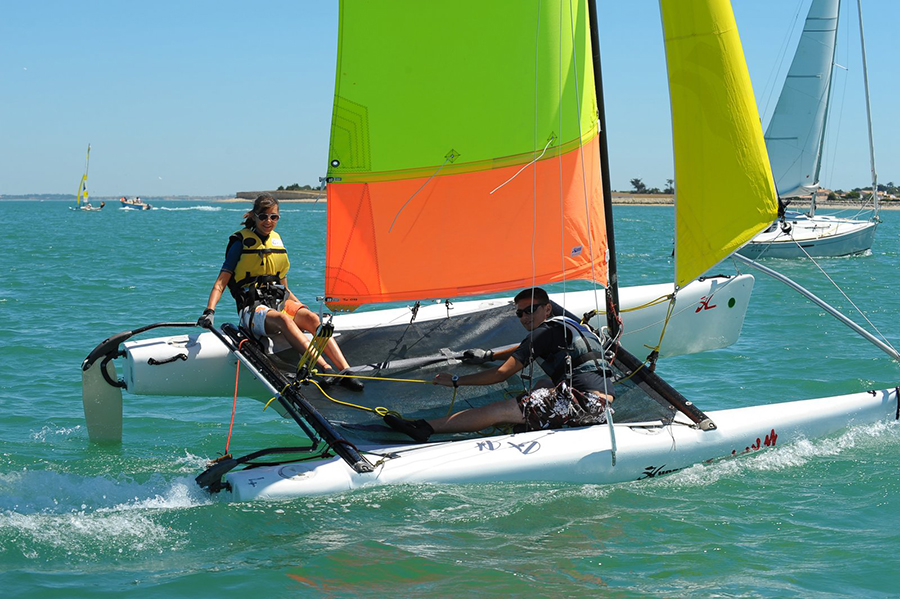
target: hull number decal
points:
(524, 448)
(769, 441)
(527, 448)
(488, 445)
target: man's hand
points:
(477, 356)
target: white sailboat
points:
(81, 196)
(537, 170)
(795, 140)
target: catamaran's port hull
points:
(818, 236)
(574, 455)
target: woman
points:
(255, 271)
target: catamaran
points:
(434, 194)
(81, 196)
(796, 142)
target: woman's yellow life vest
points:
(257, 276)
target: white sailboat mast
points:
(862, 41)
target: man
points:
(570, 354)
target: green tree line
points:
(638, 186)
(295, 187)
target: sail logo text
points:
(652, 471)
(704, 304)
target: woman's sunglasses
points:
(529, 310)
(266, 216)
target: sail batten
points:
(724, 188)
(463, 142)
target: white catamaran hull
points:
(818, 236)
(582, 455)
(708, 315)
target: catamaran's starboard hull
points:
(818, 236)
(573, 455)
(709, 315)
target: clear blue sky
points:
(209, 98)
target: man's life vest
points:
(258, 273)
(583, 352)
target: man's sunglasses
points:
(266, 216)
(529, 310)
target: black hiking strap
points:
(211, 478)
(253, 291)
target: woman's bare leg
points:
(279, 322)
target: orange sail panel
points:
(464, 153)
(456, 239)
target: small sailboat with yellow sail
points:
(421, 170)
(81, 196)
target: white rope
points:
(584, 190)
(550, 141)
(832, 281)
(559, 164)
(846, 297)
(433, 175)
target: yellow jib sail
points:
(464, 155)
(82, 195)
(724, 188)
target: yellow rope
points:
(452, 401)
(658, 300)
(662, 333)
(369, 378)
(315, 348)
(381, 411)
(652, 302)
(276, 397)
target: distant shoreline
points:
(630, 199)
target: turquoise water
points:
(817, 518)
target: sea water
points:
(815, 518)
